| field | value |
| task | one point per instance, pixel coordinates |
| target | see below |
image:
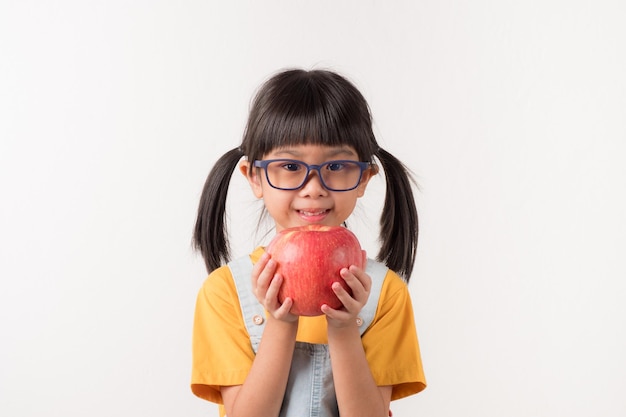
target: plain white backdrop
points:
(511, 114)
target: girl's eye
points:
(335, 166)
(292, 166)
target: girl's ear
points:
(367, 176)
(252, 176)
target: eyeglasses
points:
(291, 174)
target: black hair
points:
(311, 107)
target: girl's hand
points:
(360, 283)
(265, 286)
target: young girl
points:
(309, 152)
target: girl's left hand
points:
(360, 283)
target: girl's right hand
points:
(265, 285)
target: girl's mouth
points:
(313, 215)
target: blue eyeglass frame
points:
(264, 163)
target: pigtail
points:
(210, 233)
(398, 222)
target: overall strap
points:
(252, 311)
(254, 314)
(377, 271)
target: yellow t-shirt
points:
(223, 355)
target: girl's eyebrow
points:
(331, 153)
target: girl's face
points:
(312, 203)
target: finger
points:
(258, 267)
(364, 279)
(349, 302)
(271, 296)
(358, 281)
(284, 310)
(336, 315)
(264, 279)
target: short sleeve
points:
(391, 344)
(221, 351)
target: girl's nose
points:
(313, 186)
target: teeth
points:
(312, 213)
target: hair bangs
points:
(315, 107)
(303, 122)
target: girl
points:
(252, 355)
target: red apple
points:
(309, 258)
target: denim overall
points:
(310, 388)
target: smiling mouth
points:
(313, 213)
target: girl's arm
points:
(357, 392)
(263, 390)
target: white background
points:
(512, 114)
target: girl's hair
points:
(311, 107)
